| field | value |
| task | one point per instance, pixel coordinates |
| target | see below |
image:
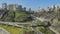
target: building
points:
(24, 9)
(41, 10)
(12, 7)
(19, 8)
(56, 8)
(29, 9)
(4, 6)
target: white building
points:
(12, 7)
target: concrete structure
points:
(15, 7)
(56, 8)
(12, 7)
(40, 9)
(19, 8)
(30, 10)
(24, 9)
(4, 6)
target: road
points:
(15, 24)
(37, 31)
(3, 31)
(50, 28)
(21, 26)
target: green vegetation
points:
(16, 16)
(15, 30)
(21, 16)
(42, 29)
(12, 30)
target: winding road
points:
(33, 28)
(50, 28)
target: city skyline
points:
(33, 4)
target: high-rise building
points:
(24, 9)
(4, 6)
(19, 7)
(29, 9)
(12, 7)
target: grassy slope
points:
(12, 30)
(20, 16)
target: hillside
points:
(15, 16)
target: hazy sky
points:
(34, 4)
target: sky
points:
(33, 4)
